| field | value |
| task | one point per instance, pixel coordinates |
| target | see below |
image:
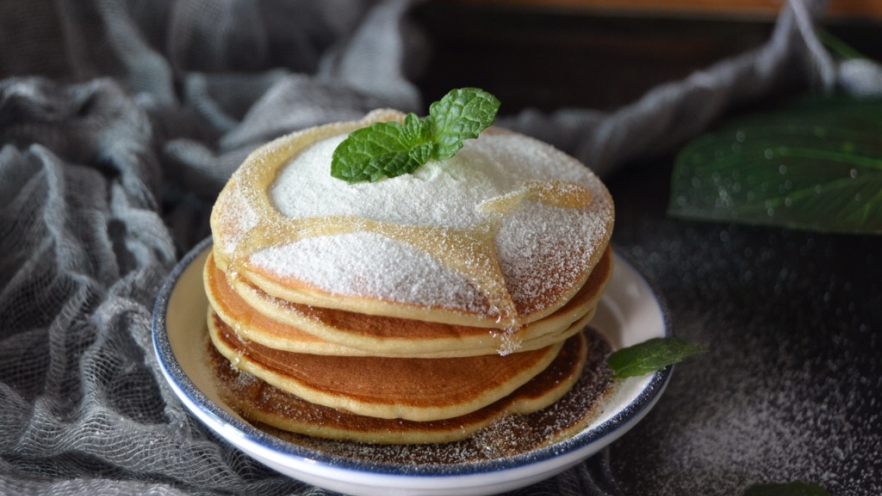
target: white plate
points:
(628, 313)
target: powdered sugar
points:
(789, 388)
(427, 238)
(235, 216)
(439, 194)
(538, 239)
(368, 264)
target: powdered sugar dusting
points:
(439, 194)
(235, 217)
(554, 242)
(518, 258)
(791, 384)
(368, 264)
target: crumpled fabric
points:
(109, 168)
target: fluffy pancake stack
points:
(415, 309)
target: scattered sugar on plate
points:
(510, 436)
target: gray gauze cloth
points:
(108, 178)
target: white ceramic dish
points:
(628, 313)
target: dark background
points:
(550, 58)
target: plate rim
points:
(181, 383)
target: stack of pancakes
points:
(417, 309)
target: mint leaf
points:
(786, 489)
(389, 149)
(462, 114)
(814, 164)
(649, 356)
(386, 149)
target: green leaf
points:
(389, 149)
(786, 489)
(649, 356)
(386, 149)
(462, 114)
(814, 164)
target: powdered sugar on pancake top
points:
(542, 250)
(235, 219)
(439, 194)
(352, 262)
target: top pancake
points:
(502, 234)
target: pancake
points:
(299, 328)
(392, 388)
(503, 234)
(300, 342)
(261, 402)
(416, 309)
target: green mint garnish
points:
(649, 356)
(389, 149)
(786, 489)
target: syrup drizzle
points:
(469, 252)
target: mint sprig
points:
(390, 149)
(649, 356)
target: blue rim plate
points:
(628, 313)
